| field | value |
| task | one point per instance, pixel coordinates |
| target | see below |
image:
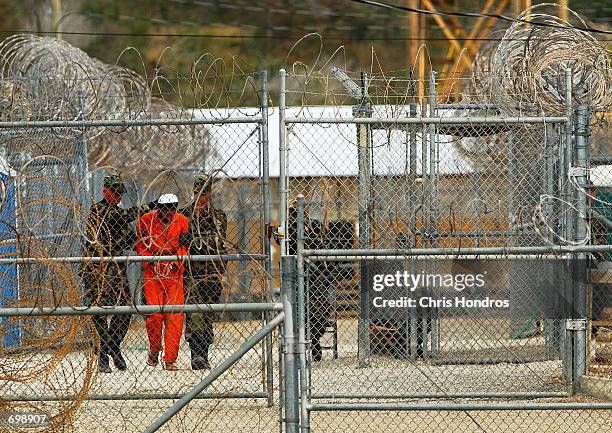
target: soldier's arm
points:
(92, 225)
(186, 239)
(130, 239)
(186, 236)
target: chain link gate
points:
(393, 181)
(429, 189)
(54, 172)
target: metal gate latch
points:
(575, 324)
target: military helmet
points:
(114, 182)
(202, 183)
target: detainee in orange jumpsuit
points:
(159, 234)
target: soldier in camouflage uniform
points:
(207, 234)
(318, 305)
(109, 234)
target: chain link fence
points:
(77, 367)
(394, 189)
(138, 268)
(125, 216)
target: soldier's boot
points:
(317, 351)
(199, 357)
(104, 363)
(119, 360)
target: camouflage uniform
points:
(108, 234)
(208, 231)
(318, 305)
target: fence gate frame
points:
(574, 162)
(272, 314)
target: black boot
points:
(199, 357)
(119, 361)
(317, 351)
(104, 364)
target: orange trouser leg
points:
(154, 295)
(173, 322)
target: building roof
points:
(328, 150)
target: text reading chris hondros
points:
(407, 281)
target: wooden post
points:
(414, 42)
(563, 12)
(56, 17)
(518, 6)
(422, 38)
(448, 33)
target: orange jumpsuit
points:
(163, 281)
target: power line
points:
(474, 15)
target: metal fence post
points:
(265, 176)
(363, 203)
(566, 156)
(432, 314)
(411, 315)
(302, 299)
(282, 178)
(580, 308)
(432, 160)
(552, 331)
(290, 346)
(420, 327)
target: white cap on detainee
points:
(168, 199)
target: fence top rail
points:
(401, 406)
(125, 122)
(478, 251)
(133, 259)
(429, 120)
(138, 309)
(550, 256)
(483, 105)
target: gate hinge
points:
(575, 324)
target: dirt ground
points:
(601, 354)
(254, 416)
(384, 375)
